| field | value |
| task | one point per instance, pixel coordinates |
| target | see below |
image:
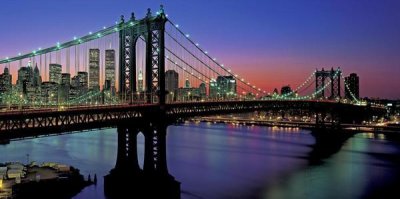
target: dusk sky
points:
(273, 43)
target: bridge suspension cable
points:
(228, 71)
(191, 66)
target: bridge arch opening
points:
(140, 46)
(140, 149)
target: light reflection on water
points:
(230, 161)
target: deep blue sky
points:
(271, 42)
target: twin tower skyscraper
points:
(94, 69)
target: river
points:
(228, 161)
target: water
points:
(225, 161)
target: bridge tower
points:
(151, 28)
(334, 77)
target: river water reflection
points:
(227, 161)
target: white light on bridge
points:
(19, 54)
(187, 35)
(75, 38)
(197, 44)
(104, 27)
(90, 33)
(177, 26)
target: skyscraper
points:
(213, 89)
(140, 81)
(227, 86)
(352, 82)
(94, 69)
(49, 94)
(110, 68)
(171, 80)
(55, 73)
(171, 84)
(5, 84)
(83, 81)
(37, 79)
(64, 87)
(203, 91)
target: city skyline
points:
(277, 42)
(244, 99)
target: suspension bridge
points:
(163, 76)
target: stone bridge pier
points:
(151, 181)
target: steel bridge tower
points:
(153, 180)
(334, 77)
(152, 29)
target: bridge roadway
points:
(52, 121)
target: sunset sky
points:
(271, 42)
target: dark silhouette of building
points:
(286, 91)
(171, 84)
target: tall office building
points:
(213, 89)
(110, 68)
(352, 82)
(5, 81)
(227, 86)
(5, 84)
(171, 80)
(49, 94)
(203, 91)
(83, 80)
(94, 69)
(25, 83)
(171, 84)
(140, 81)
(55, 73)
(64, 87)
(37, 79)
(74, 91)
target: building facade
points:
(171, 84)
(55, 73)
(110, 69)
(94, 69)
